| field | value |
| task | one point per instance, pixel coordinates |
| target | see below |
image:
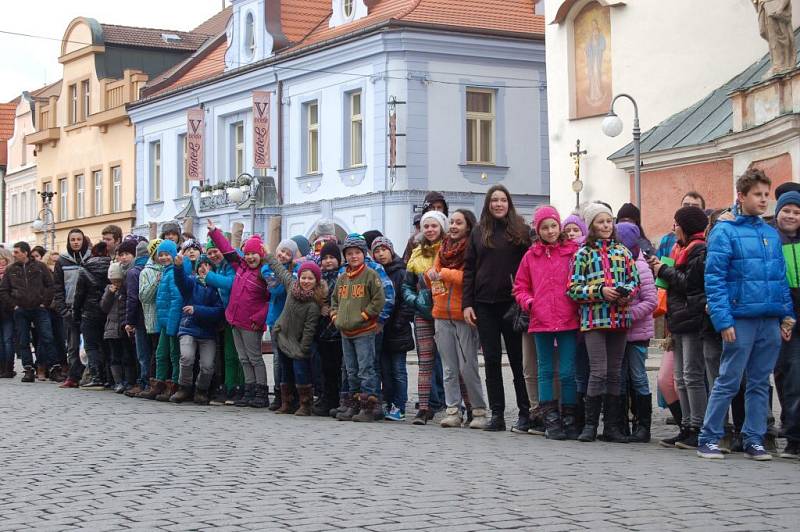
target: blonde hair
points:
(6, 255)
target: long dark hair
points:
(469, 217)
(516, 231)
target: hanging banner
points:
(261, 113)
(195, 130)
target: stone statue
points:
(775, 25)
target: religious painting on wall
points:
(592, 60)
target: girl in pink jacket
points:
(541, 289)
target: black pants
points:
(330, 354)
(72, 328)
(491, 326)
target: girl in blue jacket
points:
(168, 311)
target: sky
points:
(28, 63)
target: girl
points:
(123, 361)
(494, 252)
(418, 296)
(575, 228)
(295, 329)
(6, 325)
(457, 341)
(92, 281)
(148, 286)
(540, 290)
(168, 304)
(604, 278)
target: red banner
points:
(261, 114)
(195, 130)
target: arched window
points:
(348, 8)
(250, 35)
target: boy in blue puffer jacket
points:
(168, 310)
(201, 317)
(750, 305)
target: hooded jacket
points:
(208, 312)
(148, 287)
(397, 336)
(447, 303)
(65, 280)
(134, 313)
(416, 294)
(113, 304)
(89, 290)
(295, 328)
(643, 304)
(169, 302)
(277, 292)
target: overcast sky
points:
(28, 63)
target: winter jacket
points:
(416, 293)
(113, 305)
(791, 254)
(91, 286)
(488, 271)
(277, 293)
(447, 298)
(134, 314)
(208, 312)
(28, 286)
(397, 335)
(388, 289)
(745, 273)
(169, 302)
(540, 287)
(602, 264)
(294, 331)
(222, 279)
(148, 287)
(249, 301)
(643, 304)
(326, 330)
(356, 303)
(686, 295)
(65, 281)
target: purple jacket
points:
(249, 301)
(643, 304)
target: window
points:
(73, 104)
(80, 196)
(97, 180)
(480, 126)
(312, 163)
(85, 92)
(356, 130)
(250, 35)
(186, 188)
(33, 206)
(116, 178)
(155, 171)
(63, 205)
(348, 8)
(23, 207)
(14, 209)
(238, 148)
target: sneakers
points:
(394, 414)
(792, 450)
(710, 451)
(452, 418)
(536, 426)
(522, 425)
(119, 388)
(756, 451)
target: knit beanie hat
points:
(591, 211)
(167, 246)
(382, 241)
(192, 244)
(431, 198)
(577, 220)
(370, 236)
(152, 246)
(204, 260)
(290, 245)
(543, 213)
(302, 245)
(254, 244)
(311, 266)
(332, 249)
(325, 227)
(629, 235)
(170, 227)
(791, 197)
(128, 245)
(355, 240)
(142, 249)
(783, 188)
(631, 212)
(210, 244)
(115, 272)
(439, 217)
(691, 219)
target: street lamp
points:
(45, 220)
(612, 126)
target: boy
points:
(750, 305)
(357, 300)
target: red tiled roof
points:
(212, 64)
(299, 17)
(216, 24)
(151, 38)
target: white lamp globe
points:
(235, 195)
(37, 225)
(612, 125)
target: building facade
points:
(373, 104)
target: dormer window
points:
(347, 8)
(250, 35)
(170, 38)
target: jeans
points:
(581, 366)
(359, 360)
(59, 338)
(72, 327)
(436, 399)
(96, 348)
(7, 340)
(787, 380)
(755, 351)
(690, 377)
(144, 350)
(39, 318)
(191, 348)
(395, 378)
(458, 344)
(633, 366)
(606, 349)
(295, 371)
(545, 354)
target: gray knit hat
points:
(170, 227)
(289, 244)
(355, 240)
(143, 249)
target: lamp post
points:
(256, 182)
(45, 220)
(612, 126)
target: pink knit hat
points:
(543, 213)
(311, 266)
(254, 244)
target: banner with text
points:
(261, 113)
(195, 131)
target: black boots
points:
(201, 396)
(184, 393)
(643, 419)
(569, 422)
(7, 369)
(29, 375)
(260, 397)
(614, 419)
(593, 405)
(580, 410)
(497, 422)
(248, 395)
(552, 421)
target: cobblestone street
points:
(95, 460)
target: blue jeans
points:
(295, 371)
(581, 368)
(59, 338)
(787, 380)
(144, 352)
(633, 366)
(436, 400)
(545, 352)
(7, 340)
(754, 353)
(39, 318)
(96, 348)
(359, 359)
(395, 379)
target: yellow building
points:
(84, 139)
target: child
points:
(191, 249)
(148, 287)
(168, 304)
(247, 313)
(171, 231)
(457, 342)
(123, 362)
(329, 339)
(397, 338)
(539, 289)
(6, 324)
(201, 316)
(357, 300)
(294, 331)
(133, 321)
(604, 277)
(575, 228)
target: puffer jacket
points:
(294, 331)
(605, 263)
(540, 287)
(416, 294)
(28, 285)
(65, 280)
(326, 330)
(686, 295)
(447, 299)
(643, 304)
(113, 304)
(208, 313)
(277, 293)
(222, 279)
(169, 302)
(397, 335)
(745, 273)
(148, 288)
(249, 301)
(89, 290)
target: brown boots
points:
(156, 388)
(368, 405)
(169, 389)
(306, 393)
(286, 399)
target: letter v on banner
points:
(195, 131)
(261, 114)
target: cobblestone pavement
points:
(76, 459)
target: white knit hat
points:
(440, 218)
(591, 211)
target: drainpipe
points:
(280, 141)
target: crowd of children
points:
(571, 302)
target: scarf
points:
(694, 240)
(352, 273)
(302, 295)
(452, 253)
